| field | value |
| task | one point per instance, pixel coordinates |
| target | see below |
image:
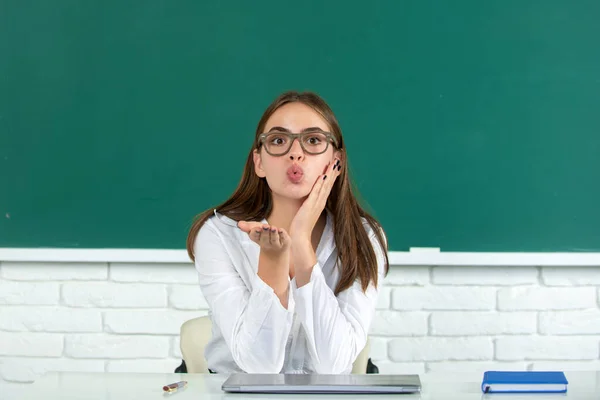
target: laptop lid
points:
(309, 383)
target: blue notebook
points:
(524, 382)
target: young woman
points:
(291, 264)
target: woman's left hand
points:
(308, 214)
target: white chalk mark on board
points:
(7, 215)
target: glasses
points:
(280, 143)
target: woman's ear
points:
(258, 164)
(339, 155)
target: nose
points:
(296, 153)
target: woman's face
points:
(294, 174)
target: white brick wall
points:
(126, 317)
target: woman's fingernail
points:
(273, 229)
(339, 167)
(266, 228)
(324, 176)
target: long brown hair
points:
(252, 201)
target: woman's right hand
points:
(274, 259)
(273, 241)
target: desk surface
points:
(114, 386)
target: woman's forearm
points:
(304, 259)
(274, 271)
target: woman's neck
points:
(283, 212)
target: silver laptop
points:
(303, 383)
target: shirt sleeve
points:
(254, 324)
(336, 327)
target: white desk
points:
(116, 386)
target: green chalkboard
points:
(470, 125)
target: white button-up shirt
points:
(252, 332)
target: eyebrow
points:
(281, 129)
